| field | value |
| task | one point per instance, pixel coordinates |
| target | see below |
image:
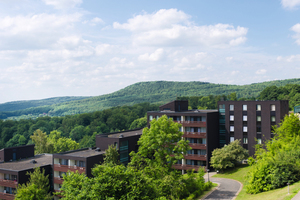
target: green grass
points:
(214, 185)
(278, 194)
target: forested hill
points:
(152, 92)
(19, 105)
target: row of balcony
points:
(187, 167)
(197, 146)
(66, 168)
(7, 196)
(8, 183)
(192, 123)
(195, 157)
(194, 135)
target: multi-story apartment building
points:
(249, 121)
(16, 162)
(200, 128)
(125, 141)
(81, 160)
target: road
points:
(227, 189)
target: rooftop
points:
(24, 164)
(186, 111)
(128, 133)
(84, 153)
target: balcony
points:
(66, 168)
(58, 180)
(194, 135)
(195, 157)
(197, 146)
(187, 167)
(60, 193)
(8, 183)
(192, 123)
(7, 196)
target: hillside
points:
(153, 92)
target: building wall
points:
(212, 134)
(20, 152)
(256, 131)
(91, 162)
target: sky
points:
(51, 48)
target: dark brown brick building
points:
(200, 128)
(249, 121)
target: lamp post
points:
(288, 187)
(208, 174)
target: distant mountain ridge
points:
(153, 92)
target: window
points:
(244, 107)
(259, 141)
(231, 117)
(273, 119)
(64, 161)
(157, 117)
(258, 129)
(245, 140)
(150, 117)
(231, 128)
(231, 107)
(231, 139)
(203, 129)
(245, 118)
(245, 128)
(258, 118)
(258, 107)
(273, 108)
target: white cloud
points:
(290, 4)
(63, 4)
(296, 29)
(156, 56)
(94, 21)
(261, 71)
(172, 27)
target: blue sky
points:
(51, 48)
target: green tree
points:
(139, 123)
(111, 156)
(36, 189)
(39, 138)
(161, 144)
(228, 156)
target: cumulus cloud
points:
(172, 27)
(290, 4)
(94, 21)
(63, 4)
(296, 29)
(156, 56)
(261, 71)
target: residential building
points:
(249, 121)
(80, 160)
(16, 163)
(125, 141)
(200, 128)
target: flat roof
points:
(24, 164)
(84, 153)
(128, 133)
(186, 111)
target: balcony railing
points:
(194, 135)
(8, 183)
(66, 168)
(197, 146)
(58, 180)
(187, 167)
(60, 193)
(7, 196)
(195, 157)
(192, 123)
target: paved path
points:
(297, 197)
(227, 189)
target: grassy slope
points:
(153, 92)
(278, 194)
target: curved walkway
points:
(228, 189)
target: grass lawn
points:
(278, 194)
(214, 185)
